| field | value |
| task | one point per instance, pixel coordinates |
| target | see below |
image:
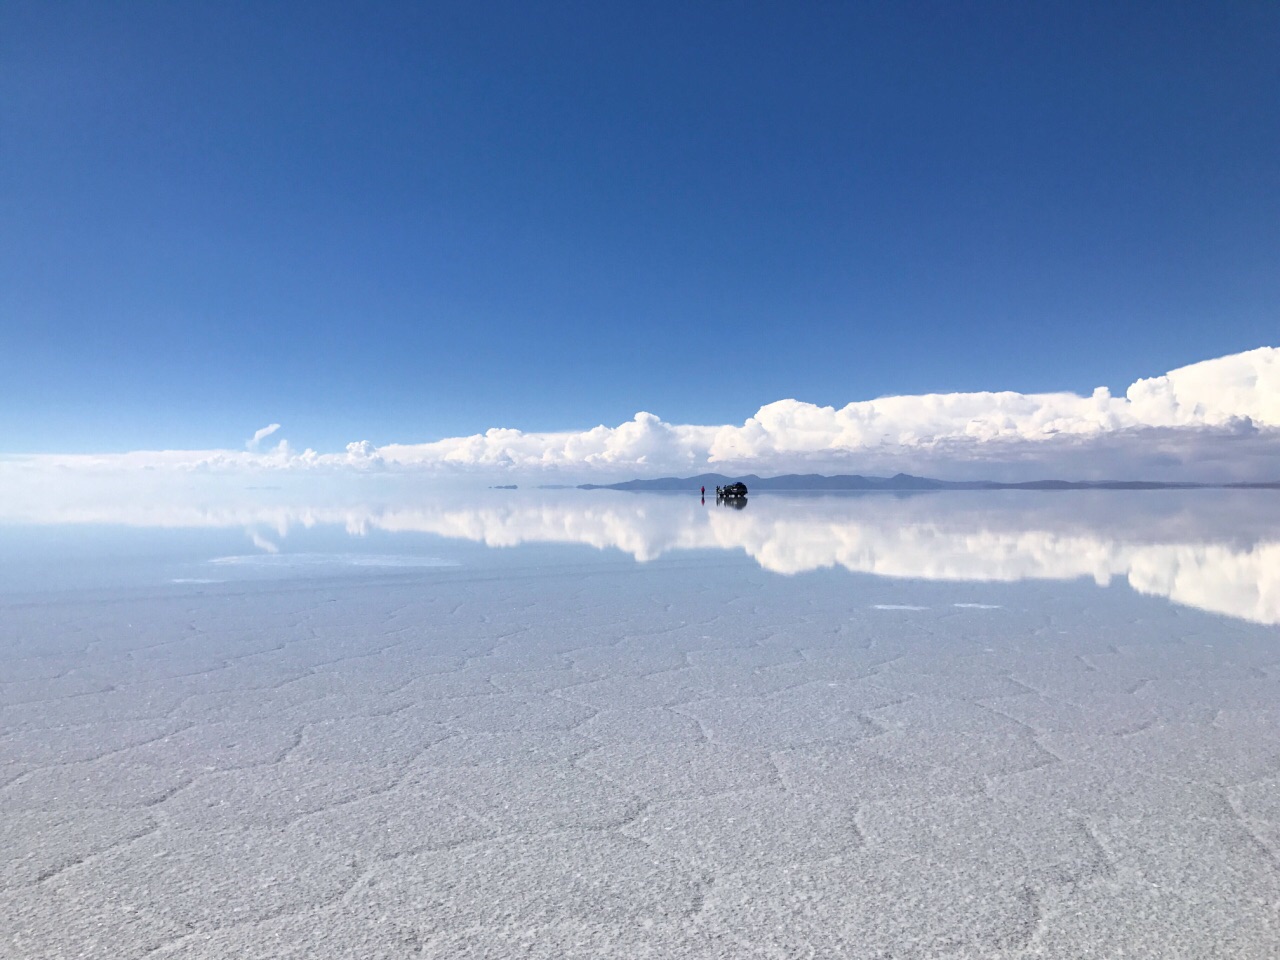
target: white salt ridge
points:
(896, 606)
(978, 606)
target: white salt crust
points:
(674, 760)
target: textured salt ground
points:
(656, 761)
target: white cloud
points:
(1186, 418)
(260, 435)
(1216, 420)
(1229, 394)
(262, 543)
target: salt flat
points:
(569, 754)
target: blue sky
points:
(410, 222)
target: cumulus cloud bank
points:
(1218, 419)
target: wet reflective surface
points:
(1213, 550)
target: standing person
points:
(704, 491)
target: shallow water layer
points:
(646, 726)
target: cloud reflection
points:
(1213, 550)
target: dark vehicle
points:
(734, 491)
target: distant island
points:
(905, 481)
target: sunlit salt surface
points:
(379, 723)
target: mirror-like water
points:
(1214, 550)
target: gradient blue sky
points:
(410, 221)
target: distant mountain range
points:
(902, 481)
